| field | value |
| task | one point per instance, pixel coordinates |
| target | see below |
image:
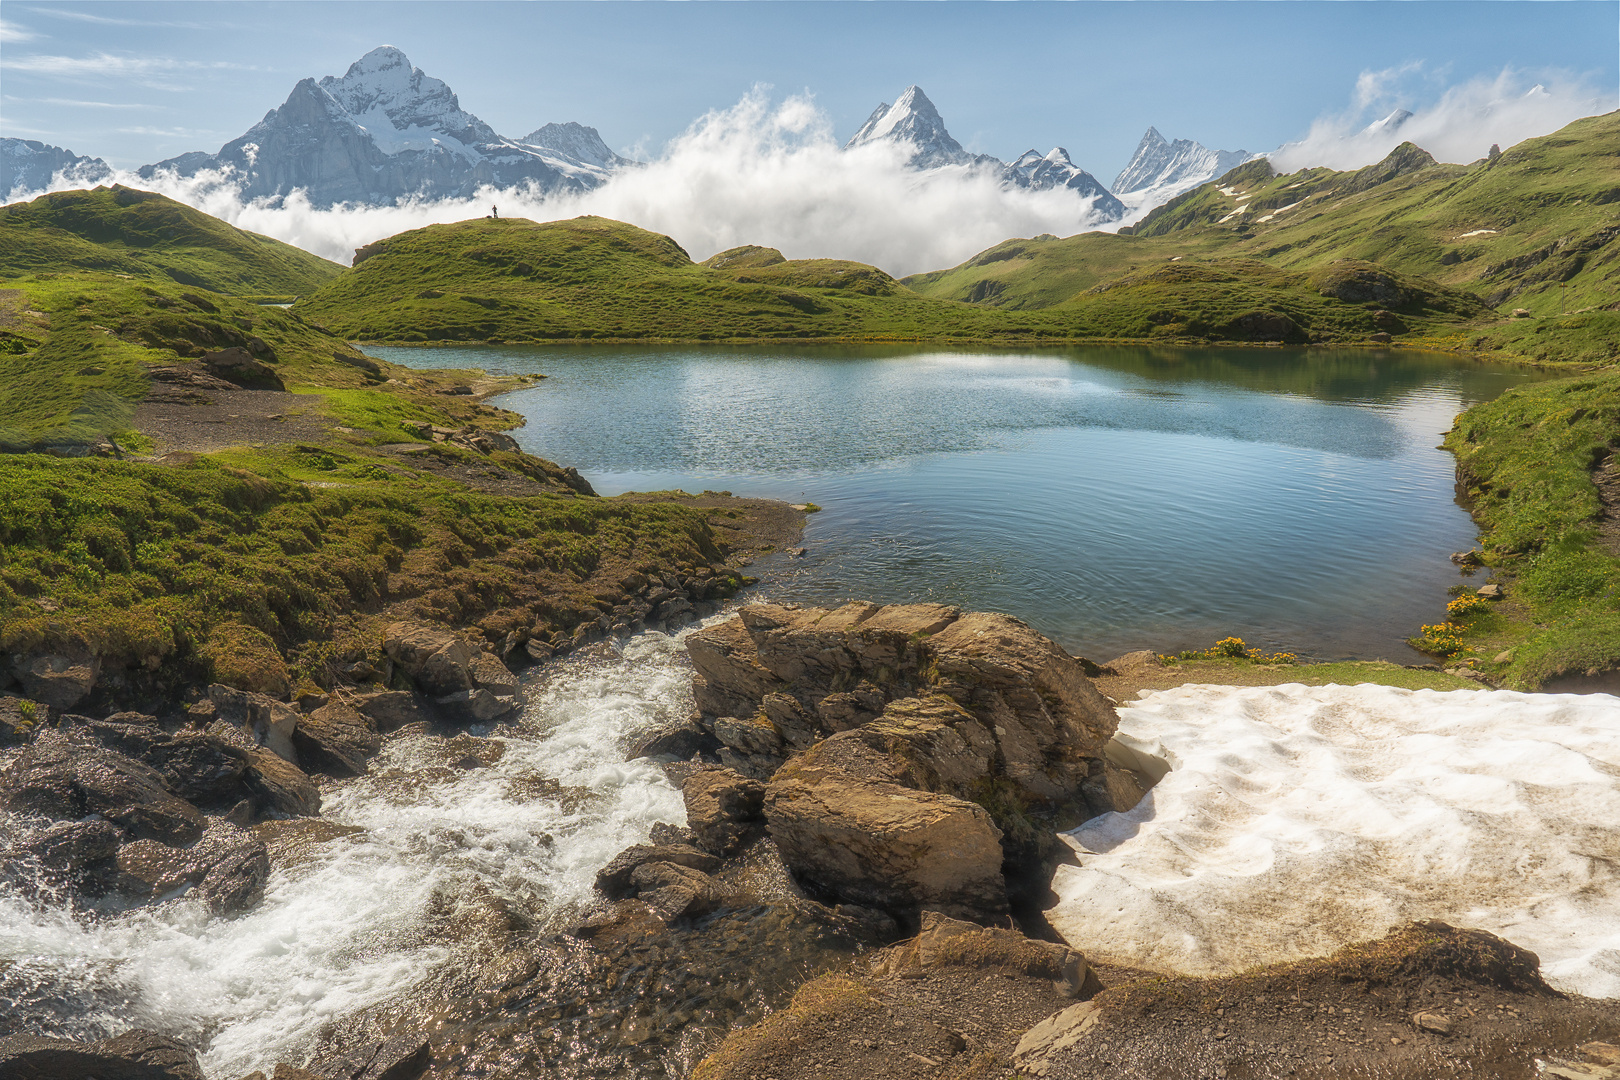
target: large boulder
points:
(436, 660)
(134, 1055)
(268, 722)
(70, 778)
(228, 867)
(280, 786)
(237, 365)
(197, 767)
(723, 809)
(852, 830)
(336, 740)
(915, 715)
(58, 679)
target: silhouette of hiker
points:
(494, 212)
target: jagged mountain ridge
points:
(1161, 169)
(29, 165)
(914, 119)
(385, 131)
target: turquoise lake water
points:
(1116, 498)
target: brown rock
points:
(269, 723)
(336, 740)
(615, 879)
(237, 365)
(279, 785)
(60, 680)
(877, 843)
(722, 808)
(400, 1057)
(63, 777)
(134, 1055)
(674, 891)
(438, 661)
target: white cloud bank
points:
(772, 173)
(1297, 819)
(1459, 127)
(757, 173)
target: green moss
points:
(246, 658)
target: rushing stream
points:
(403, 892)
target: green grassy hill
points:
(120, 230)
(590, 278)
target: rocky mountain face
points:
(1161, 169)
(913, 119)
(27, 165)
(386, 131)
(1055, 170)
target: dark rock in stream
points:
(134, 1055)
(401, 1057)
(197, 768)
(65, 777)
(336, 740)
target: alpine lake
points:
(1116, 498)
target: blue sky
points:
(135, 82)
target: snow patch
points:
(1477, 232)
(1294, 820)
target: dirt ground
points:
(202, 421)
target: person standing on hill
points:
(495, 212)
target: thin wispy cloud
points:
(172, 133)
(155, 72)
(73, 103)
(106, 20)
(11, 33)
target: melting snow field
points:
(1297, 819)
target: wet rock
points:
(60, 680)
(473, 706)
(197, 767)
(490, 674)
(470, 752)
(389, 710)
(280, 786)
(723, 808)
(681, 742)
(64, 777)
(73, 846)
(235, 882)
(436, 659)
(134, 1055)
(237, 365)
(400, 1057)
(674, 891)
(1467, 558)
(269, 723)
(538, 650)
(615, 879)
(336, 740)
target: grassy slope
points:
(1527, 460)
(121, 230)
(1559, 187)
(591, 278)
(76, 348)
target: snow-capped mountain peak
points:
(1055, 169)
(386, 130)
(1161, 169)
(1388, 124)
(914, 119)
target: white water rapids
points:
(349, 925)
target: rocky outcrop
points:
(59, 680)
(336, 740)
(469, 684)
(723, 809)
(228, 866)
(269, 723)
(134, 1055)
(914, 752)
(238, 366)
(66, 778)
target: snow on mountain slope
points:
(1160, 169)
(1294, 820)
(387, 131)
(27, 165)
(914, 120)
(1041, 172)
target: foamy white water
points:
(354, 922)
(1297, 819)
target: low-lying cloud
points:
(1461, 126)
(772, 173)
